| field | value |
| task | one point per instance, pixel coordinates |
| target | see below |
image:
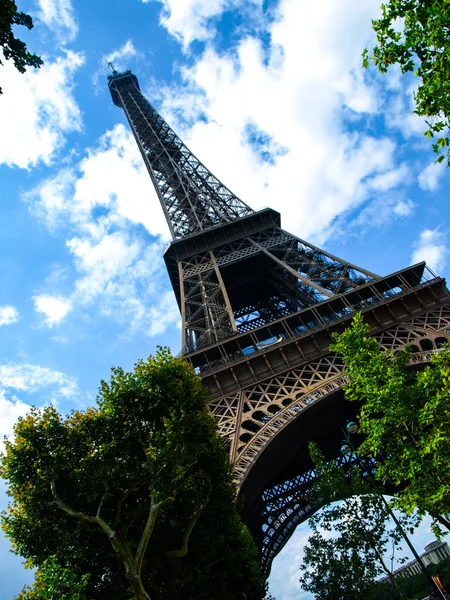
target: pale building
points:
(435, 552)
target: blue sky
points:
(271, 96)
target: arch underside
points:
(269, 425)
(285, 506)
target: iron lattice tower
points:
(259, 306)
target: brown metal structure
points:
(258, 307)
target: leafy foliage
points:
(344, 554)
(415, 34)
(405, 416)
(54, 582)
(12, 46)
(137, 493)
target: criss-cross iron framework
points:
(259, 306)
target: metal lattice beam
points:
(192, 198)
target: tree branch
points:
(119, 507)
(184, 547)
(67, 509)
(146, 534)
(80, 515)
(102, 502)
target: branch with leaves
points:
(415, 34)
(405, 418)
(12, 47)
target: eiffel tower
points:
(259, 306)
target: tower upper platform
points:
(121, 80)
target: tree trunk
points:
(443, 521)
(132, 572)
(138, 590)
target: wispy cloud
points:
(59, 16)
(21, 378)
(32, 378)
(120, 58)
(379, 213)
(284, 579)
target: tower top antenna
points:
(111, 66)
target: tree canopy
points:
(134, 497)
(415, 34)
(404, 416)
(13, 48)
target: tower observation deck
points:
(259, 306)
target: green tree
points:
(12, 46)
(53, 582)
(415, 34)
(405, 417)
(135, 494)
(333, 571)
(350, 537)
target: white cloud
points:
(120, 56)
(189, 20)
(404, 208)
(429, 178)
(32, 378)
(38, 109)
(55, 308)
(113, 176)
(59, 16)
(8, 315)
(59, 339)
(101, 261)
(10, 410)
(431, 247)
(124, 279)
(101, 206)
(322, 169)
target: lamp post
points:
(347, 447)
